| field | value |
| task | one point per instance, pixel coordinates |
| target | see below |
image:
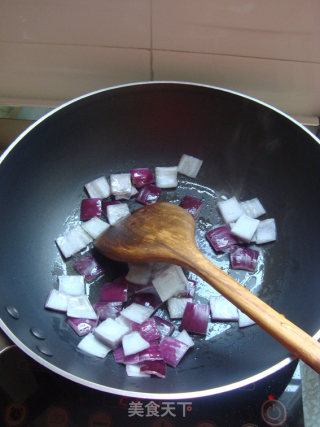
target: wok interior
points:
(249, 150)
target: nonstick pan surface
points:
(249, 150)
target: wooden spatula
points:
(164, 232)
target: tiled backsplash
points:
(52, 51)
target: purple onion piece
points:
(164, 327)
(191, 205)
(148, 300)
(118, 354)
(190, 289)
(107, 309)
(90, 208)
(156, 367)
(81, 326)
(243, 258)
(141, 177)
(220, 238)
(114, 292)
(172, 350)
(148, 330)
(106, 203)
(88, 267)
(195, 318)
(151, 353)
(148, 194)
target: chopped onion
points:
(94, 227)
(107, 309)
(172, 275)
(114, 292)
(98, 188)
(73, 241)
(148, 194)
(164, 327)
(90, 208)
(141, 177)
(80, 307)
(189, 165)
(195, 318)
(106, 203)
(137, 313)
(184, 337)
(222, 309)
(128, 196)
(111, 332)
(190, 289)
(221, 238)
(191, 205)
(166, 177)
(117, 212)
(230, 209)
(57, 301)
(134, 371)
(139, 274)
(124, 321)
(266, 231)
(89, 344)
(156, 367)
(172, 350)
(148, 300)
(176, 307)
(71, 285)
(148, 330)
(244, 320)
(245, 227)
(242, 258)
(120, 184)
(88, 267)
(81, 326)
(253, 208)
(133, 343)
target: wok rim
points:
(149, 395)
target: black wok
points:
(249, 149)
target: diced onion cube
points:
(184, 337)
(141, 177)
(221, 238)
(154, 367)
(195, 318)
(242, 258)
(120, 184)
(71, 285)
(170, 281)
(164, 327)
(117, 212)
(57, 301)
(230, 209)
(140, 274)
(245, 227)
(90, 208)
(189, 165)
(166, 177)
(98, 188)
(134, 371)
(148, 194)
(148, 329)
(176, 307)
(173, 350)
(266, 231)
(137, 313)
(127, 196)
(253, 208)
(89, 344)
(133, 343)
(88, 267)
(81, 326)
(222, 309)
(80, 307)
(94, 227)
(111, 332)
(191, 205)
(244, 320)
(73, 241)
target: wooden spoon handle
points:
(287, 333)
